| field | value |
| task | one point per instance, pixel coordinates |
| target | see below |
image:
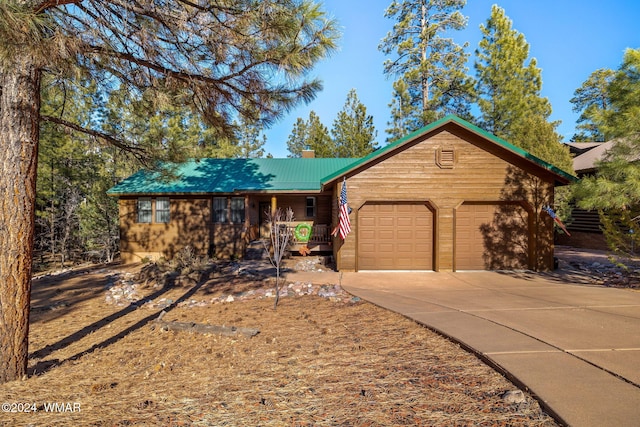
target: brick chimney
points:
(308, 154)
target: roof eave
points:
(211, 194)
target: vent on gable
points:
(445, 158)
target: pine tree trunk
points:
(19, 132)
(424, 46)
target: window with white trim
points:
(162, 210)
(237, 210)
(150, 210)
(144, 210)
(220, 212)
(228, 210)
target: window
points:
(237, 210)
(144, 210)
(147, 206)
(220, 209)
(311, 207)
(162, 210)
(228, 209)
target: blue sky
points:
(569, 38)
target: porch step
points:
(255, 250)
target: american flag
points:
(344, 223)
(553, 215)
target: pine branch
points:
(48, 4)
(139, 153)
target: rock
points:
(123, 289)
(514, 396)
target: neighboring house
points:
(587, 154)
(585, 226)
(447, 197)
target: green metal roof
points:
(206, 176)
(232, 176)
(564, 176)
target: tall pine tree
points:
(210, 56)
(352, 135)
(431, 65)
(591, 100)
(508, 87)
(251, 139)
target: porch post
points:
(274, 204)
(247, 221)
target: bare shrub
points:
(280, 236)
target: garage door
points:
(395, 237)
(491, 237)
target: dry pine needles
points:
(315, 362)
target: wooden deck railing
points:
(320, 234)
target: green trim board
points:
(565, 177)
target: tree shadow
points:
(506, 240)
(238, 278)
(53, 296)
(46, 365)
(200, 176)
(519, 237)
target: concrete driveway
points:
(575, 347)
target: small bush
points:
(186, 261)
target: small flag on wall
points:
(553, 215)
(344, 223)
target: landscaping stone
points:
(609, 274)
(122, 290)
(514, 396)
(125, 289)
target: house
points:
(585, 225)
(587, 155)
(217, 206)
(447, 197)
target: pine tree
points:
(353, 130)
(250, 137)
(210, 56)
(591, 100)
(401, 117)
(622, 119)
(615, 190)
(310, 135)
(431, 65)
(173, 133)
(98, 212)
(251, 141)
(63, 170)
(508, 87)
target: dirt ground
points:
(98, 359)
